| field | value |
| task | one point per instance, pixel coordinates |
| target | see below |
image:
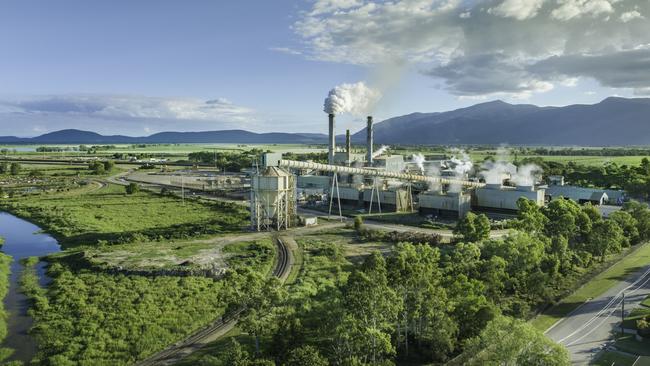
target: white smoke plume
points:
(526, 175)
(356, 99)
(495, 171)
(380, 151)
(418, 159)
(462, 166)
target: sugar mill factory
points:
(380, 182)
(362, 179)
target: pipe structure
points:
(348, 147)
(369, 141)
(332, 140)
(375, 173)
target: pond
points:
(22, 240)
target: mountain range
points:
(612, 122)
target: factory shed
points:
(448, 205)
(578, 194)
(498, 198)
(391, 200)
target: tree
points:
(4, 167)
(97, 167)
(641, 214)
(414, 274)
(304, 356)
(132, 188)
(530, 217)
(606, 237)
(566, 218)
(15, 168)
(358, 223)
(628, 223)
(473, 228)
(370, 313)
(523, 254)
(258, 298)
(508, 341)
(109, 165)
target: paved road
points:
(590, 327)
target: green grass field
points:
(106, 213)
(5, 262)
(91, 317)
(632, 262)
(174, 149)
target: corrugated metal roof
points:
(577, 193)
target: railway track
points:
(217, 329)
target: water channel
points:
(22, 240)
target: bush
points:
(132, 188)
(15, 168)
(643, 326)
(358, 223)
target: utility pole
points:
(183, 189)
(623, 314)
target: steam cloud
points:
(380, 151)
(494, 171)
(356, 99)
(419, 160)
(462, 166)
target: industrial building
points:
(393, 199)
(445, 204)
(557, 189)
(578, 194)
(500, 198)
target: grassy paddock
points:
(630, 263)
(5, 262)
(91, 317)
(108, 214)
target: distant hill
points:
(612, 122)
(226, 136)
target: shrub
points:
(132, 188)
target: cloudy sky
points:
(140, 67)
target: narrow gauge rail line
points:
(181, 349)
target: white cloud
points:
(287, 50)
(517, 9)
(109, 114)
(570, 9)
(133, 107)
(631, 15)
(500, 50)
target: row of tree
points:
(633, 179)
(432, 304)
(13, 168)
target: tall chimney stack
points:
(348, 147)
(332, 141)
(369, 141)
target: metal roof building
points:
(578, 194)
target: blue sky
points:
(139, 67)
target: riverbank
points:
(22, 240)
